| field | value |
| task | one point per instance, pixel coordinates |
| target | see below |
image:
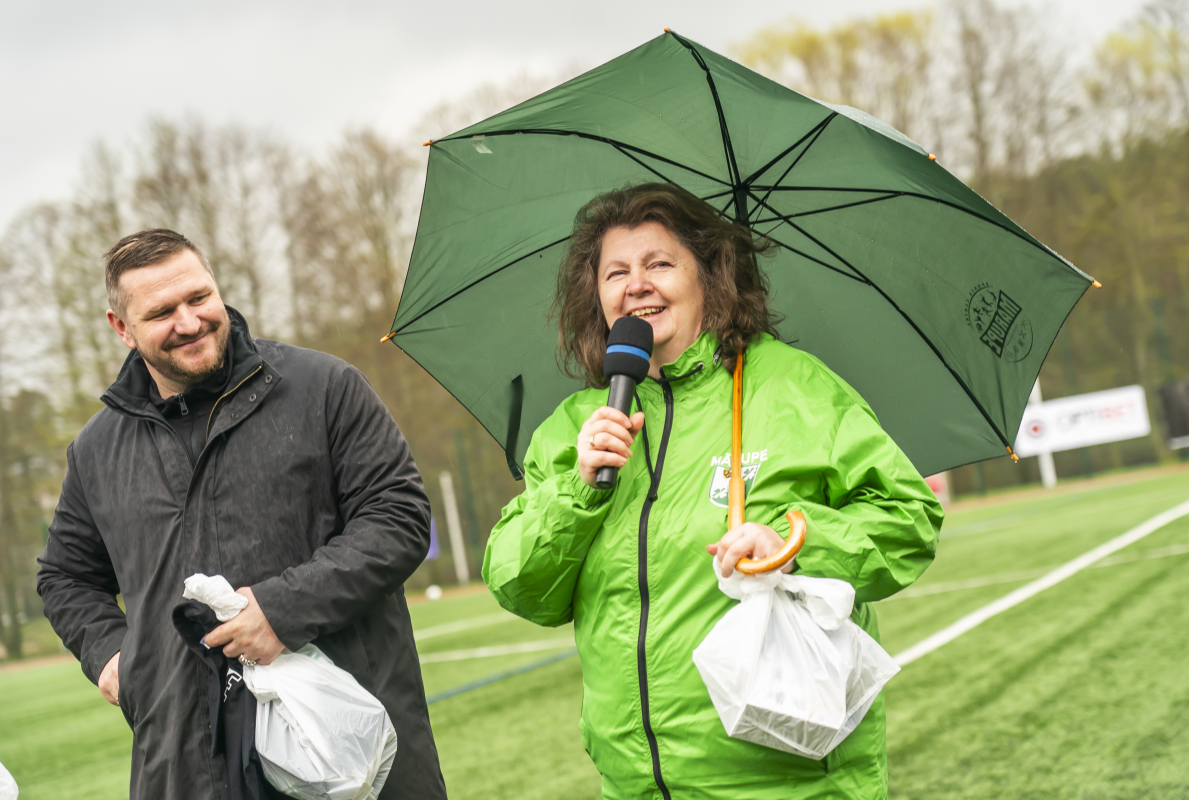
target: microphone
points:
(629, 348)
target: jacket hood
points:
(130, 391)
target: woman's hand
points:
(605, 441)
(749, 540)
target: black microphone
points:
(629, 349)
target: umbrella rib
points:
(732, 166)
(477, 281)
(717, 195)
(907, 319)
(655, 172)
(816, 135)
(789, 149)
(592, 137)
(459, 400)
(920, 196)
(888, 196)
(792, 249)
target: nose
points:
(186, 322)
(638, 283)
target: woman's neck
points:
(667, 353)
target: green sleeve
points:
(879, 528)
(536, 551)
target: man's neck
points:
(165, 387)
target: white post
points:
(1048, 472)
(455, 527)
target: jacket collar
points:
(692, 366)
(131, 390)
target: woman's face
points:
(646, 272)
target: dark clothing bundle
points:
(304, 490)
(232, 708)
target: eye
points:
(660, 265)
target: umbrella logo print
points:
(1000, 322)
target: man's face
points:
(174, 316)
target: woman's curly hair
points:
(736, 304)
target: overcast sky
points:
(72, 73)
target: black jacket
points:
(305, 491)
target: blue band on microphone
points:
(627, 348)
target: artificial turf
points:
(1079, 692)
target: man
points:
(271, 465)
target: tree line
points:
(1084, 147)
(1086, 150)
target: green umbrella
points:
(935, 306)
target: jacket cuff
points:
(101, 652)
(585, 496)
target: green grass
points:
(59, 738)
(1079, 692)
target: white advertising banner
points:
(1083, 419)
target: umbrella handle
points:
(735, 493)
(797, 528)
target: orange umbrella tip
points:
(668, 31)
(932, 157)
(389, 336)
(1096, 284)
(1014, 457)
(427, 143)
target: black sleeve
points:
(77, 582)
(386, 534)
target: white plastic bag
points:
(8, 786)
(319, 734)
(214, 591)
(787, 668)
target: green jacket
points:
(630, 567)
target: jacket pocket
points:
(125, 690)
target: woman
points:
(629, 565)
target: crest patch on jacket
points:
(720, 474)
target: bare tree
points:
(882, 65)
(1140, 81)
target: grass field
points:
(1079, 692)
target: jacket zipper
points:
(223, 397)
(642, 576)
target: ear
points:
(121, 328)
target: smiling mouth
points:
(184, 345)
(645, 312)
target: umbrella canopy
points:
(935, 306)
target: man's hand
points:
(750, 540)
(109, 680)
(248, 634)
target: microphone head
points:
(629, 348)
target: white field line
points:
(462, 625)
(1015, 577)
(498, 650)
(948, 634)
(969, 583)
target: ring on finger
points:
(247, 662)
(590, 441)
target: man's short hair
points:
(142, 249)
